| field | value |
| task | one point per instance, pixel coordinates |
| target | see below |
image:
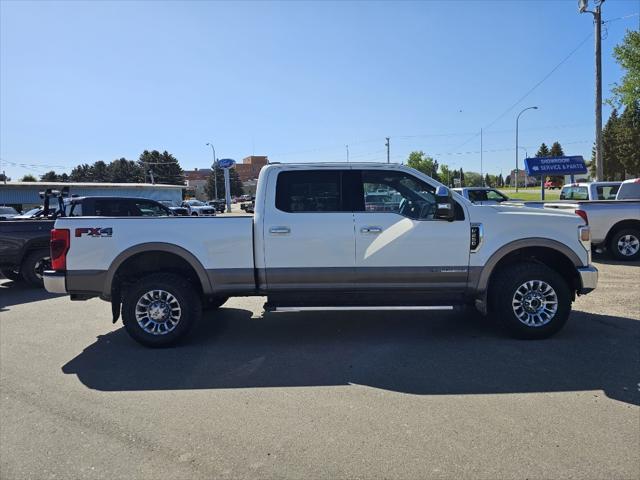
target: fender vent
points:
(477, 233)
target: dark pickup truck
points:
(24, 249)
(24, 244)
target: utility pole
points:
(481, 173)
(387, 145)
(153, 181)
(597, 21)
(347, 153)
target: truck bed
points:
(222, 247)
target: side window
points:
(495, 196)
(309, 191)
(398, 192)
(149, 209)
(478, 195)
(110, 208)
(608, 192)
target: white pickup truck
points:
(319, 240)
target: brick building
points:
(250, 167)
(196, 181)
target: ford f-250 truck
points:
(318, 241)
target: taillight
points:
(582, 214)
(59, 247)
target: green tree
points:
(28, 178)
(446, 175)
(543, 151)
(81, 173)
(125, 171)
(556, 150)
(472, 179)
(424, 164)
(235, 183)
(628, 138)
(165, 167)
(500, 181)
(612, 166)
(3, 177)
(50, 176)
(462, 179)
(627, 54)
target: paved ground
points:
(320, 396)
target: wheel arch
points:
(621, 225)
(551, 253)
(140, 255)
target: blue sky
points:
(297, 81)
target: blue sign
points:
(226, 163)
(539, 166)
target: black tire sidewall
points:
(613, 245)
(513, 277)
(27, 269)
(11, 274)
(181, 289)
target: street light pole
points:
(597, 20)
(517, 120)
(215, 170)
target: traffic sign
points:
(226, 163)
(539, 166)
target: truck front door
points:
(400, 246)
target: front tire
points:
(625, 245)
(530, 300)
(160, 310)
(34, 265)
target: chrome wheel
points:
(158, 312)
(628, 245)
(535, 303)
(40, 266)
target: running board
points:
(351, 309)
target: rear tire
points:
(160, 310)
(11, 274)
(530, 300)
(625, 245)
(34, 265)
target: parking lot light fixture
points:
(517, 119)
(215, 169)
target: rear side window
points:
(150, 209)
(574, 193)
(607, 193)
(309, 191)
(110, 208)
(477, 195)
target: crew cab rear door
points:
(309, 235)
(399, 245)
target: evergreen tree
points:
(50, 176)
(556, 150)
(462, 184)
(628, 137)
(81, 173)
(543, 151)
(28, 178)
(235, 184)
(500, 181)
(98, 172)
(125, 171)
(487, 181)
(165, 167)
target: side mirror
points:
(445, 206)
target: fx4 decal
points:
(94, 232)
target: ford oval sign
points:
(226, 163)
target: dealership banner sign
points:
(538, 166)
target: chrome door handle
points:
(373, 230)
(280, 230)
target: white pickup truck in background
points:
(331, 236)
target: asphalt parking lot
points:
(323, 395)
